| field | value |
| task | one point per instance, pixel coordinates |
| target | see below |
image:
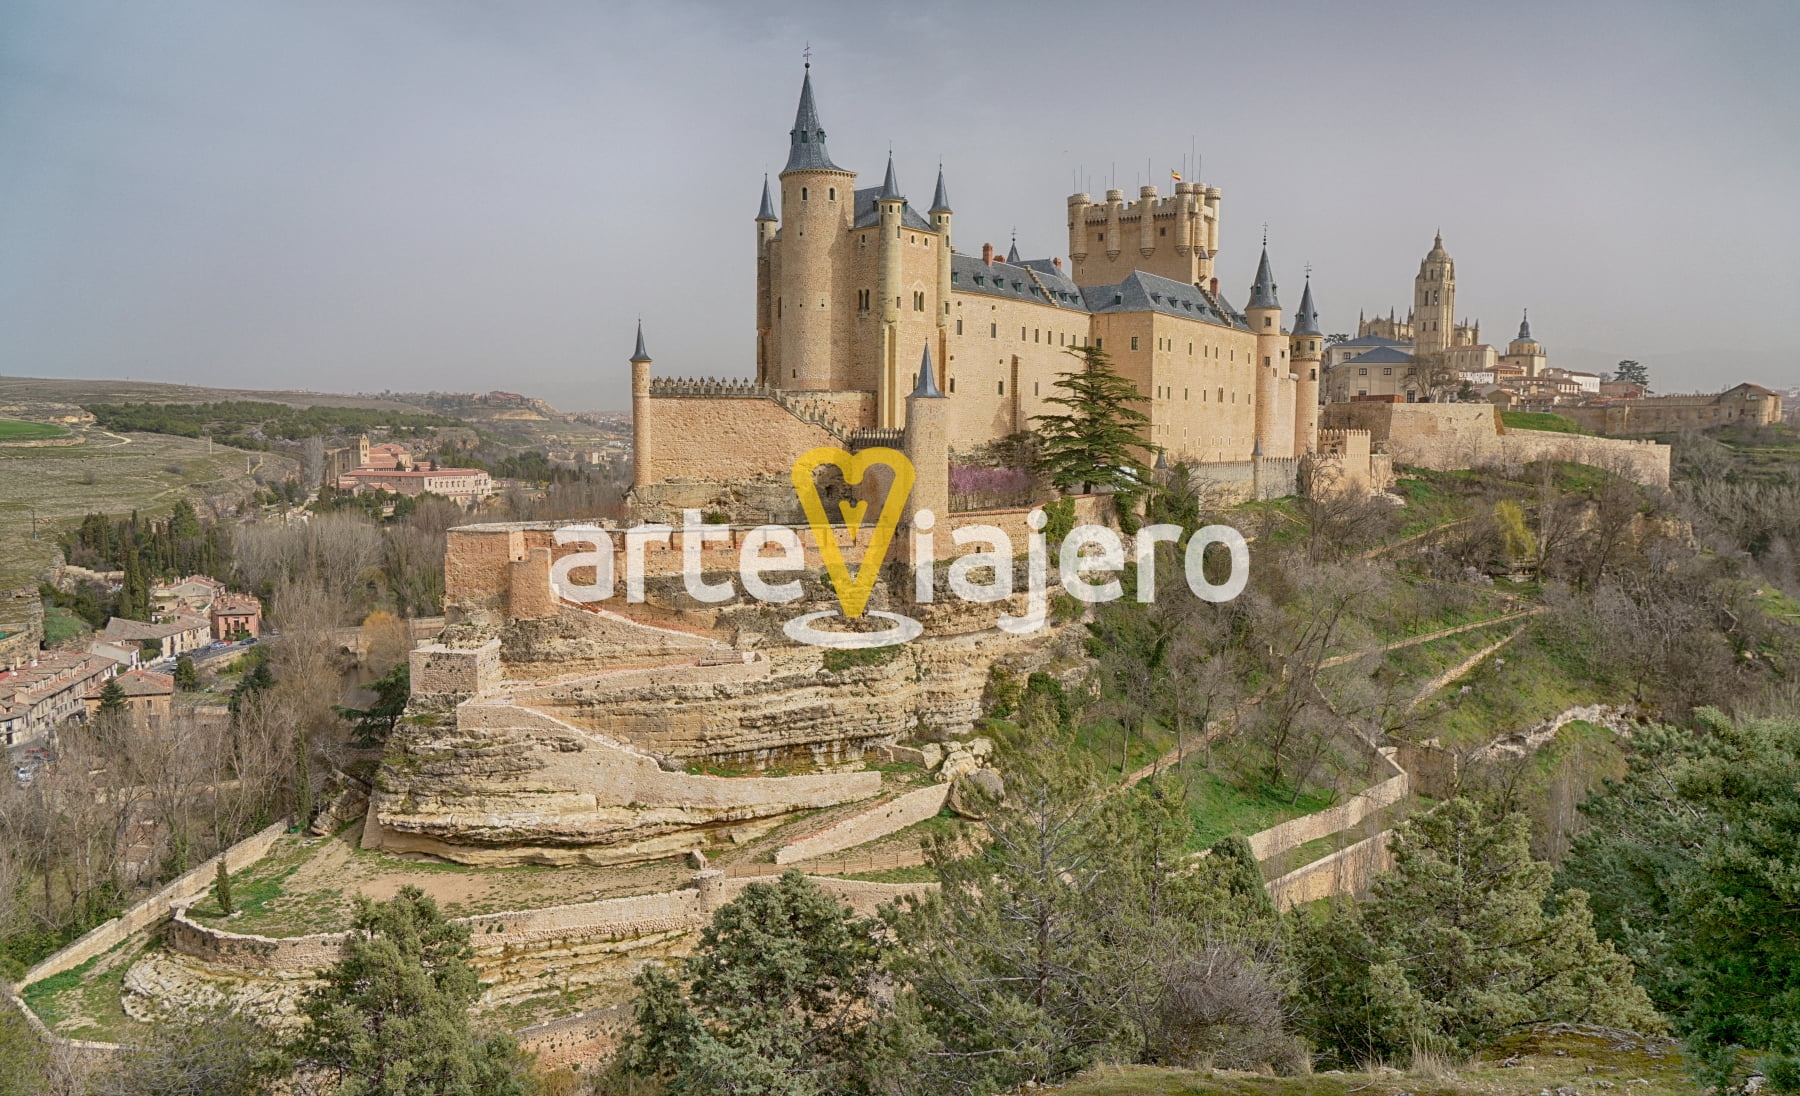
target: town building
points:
(37, 696)
(149, 697)
(463, 485)
(174, 636)
(193, 595)
(235, 615)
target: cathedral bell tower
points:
(1434, 301)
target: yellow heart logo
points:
(853, 590)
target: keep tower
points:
(817, 201)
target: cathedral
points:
(856, 286)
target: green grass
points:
(1221, 808)
(60, 625)
(1529, 681)
(1540, 420)
(17, 430)
(90, 992)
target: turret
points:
(927, 444)
(1525, 352)
(940, 222)
(640, 413)
(765, 289)
(1146, 221)
(817, 199)
(1078, 207)
(890, 209)
(1115, 204)
(1264, 313)
(1306, 345)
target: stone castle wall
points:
(890, 817)
(1447, 436)
(1292, 834)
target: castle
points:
(854, 286)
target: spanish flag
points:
(1175, 175)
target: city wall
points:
(890, 817)
(1447, 436)
(1292, 834)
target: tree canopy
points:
(1093, 444)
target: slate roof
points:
(1141, 292)
(1382, 355)
(867, 216)
(1373, 340)
(940, 202)
(806, 141)
(927, 388)
(767, 212)
(1262, 291)
(1306, 321)
(969, 274)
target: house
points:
(178, 635)
(149, 697)
(194, 594)
(236, 614)
(34, 698)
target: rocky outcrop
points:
(509, 784)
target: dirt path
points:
(1339, 660)
(1460, 669)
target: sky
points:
(408, 195)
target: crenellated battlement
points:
(808, 411)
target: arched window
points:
(803, 194)
(831, 194)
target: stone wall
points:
(894, 815)
(1447, 436)
(727, 438)
(1292, 834)
(447, 675)
(1347, 871)
(154, 910)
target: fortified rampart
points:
(1447, 436)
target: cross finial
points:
(1265, 234)
(807, 53)
(1309, 270)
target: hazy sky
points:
(448, 194)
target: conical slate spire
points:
(1012, 253)
(1525, 325)
(890, 186)
(806, 141)
(767, 213)
(1306, 321)
(940, 202)
(640, 355)
(1262, 291)
(927, 388)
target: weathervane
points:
(807, 53)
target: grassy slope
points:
(145, 472)
(15, 430)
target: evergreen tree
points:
(1094, 443)
(1460, 943)
(774, 1001)
(1633, 373)
(112, 698)
(187, 678)
(1692, 860)
(222, 889)
(374, 723)
(392, 1017)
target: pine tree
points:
(1094, 444)
(392, 1016)
(187, 678)
(112, 697)
(222, 889)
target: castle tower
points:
(1526, 352)
(927, 444)
(890, 209)
(1079, 203)
(1306, 349)
(1434, 301)
(817, 203)
(940, 222)
(640, 413)
(1264, 314)
(765, 304)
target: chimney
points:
(987, 254)
(1056, 261)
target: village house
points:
(34, 698)
(149, 697)
(236, 614)
(178, 635)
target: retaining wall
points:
(1292, 834)
(1349, 870)
(896, 814)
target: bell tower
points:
(1434, 301)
